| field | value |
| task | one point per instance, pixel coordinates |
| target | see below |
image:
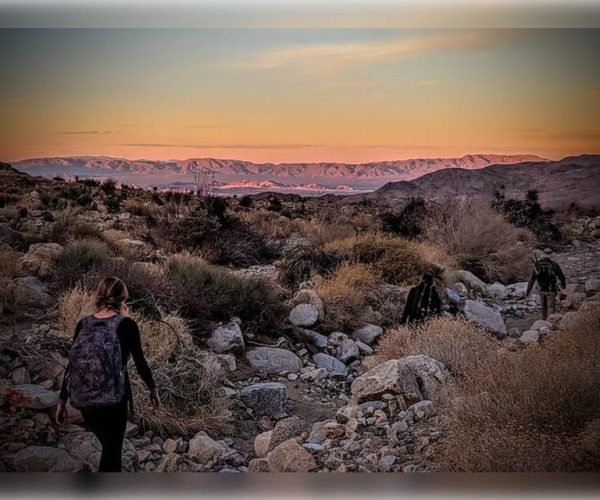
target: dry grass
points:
(346, 294)
(481, 240)
(536, 410)
(73, 305)
(457, 343)
(9, 263)
(188, 380)
(396, 260)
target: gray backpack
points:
(96, 375)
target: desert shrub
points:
(407, 222)
(346, 295)
(78, 258)
(458, 343)
(222, 240)
(136, 207)
(109, 186)
(299, 262)
(529, 214)
(275, 204)
(73, 305)
(113, 203)
(210, 293)
(481, 240)
(536, 410)
(246, 201)
(66, 228)
(9, 262)
(396, 260)
(189, 382)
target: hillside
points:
(366, 175)
(572, 179)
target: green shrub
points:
(78, 258)
(302, 261)
(210, 293)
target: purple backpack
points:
(96, 374)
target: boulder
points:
(367, 333)
(333, 366)
(258, 465)
(203, 448)
(45, 459)
(459, 288)
(314, 338)
(541, 324)
(85, 447)
(347, 351)
(265, 398)
(12, 238)
(472, 282)
(497, 291)
(29, 396)
(430, 372)
(316, 374)
(226, 338)
(30, 292)
(309, 296)
(517, 290)
(38, 259)
(572, 288)
(273, 360)
(288, 428)
(530, 337)
(568, 320)
(592, 286)
(289, 456)
(364, 348)
(392, 377)
(485, 316)
(574, 300)
(172, 462)
(262, 444)
(304, 315)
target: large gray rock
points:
(38, 259)
(430, 372)
(265, 398)
(273, 360)
(517, 290)
(227, 338)
(392, 377)
(530, 337)
(45, 459)
(12, 238)
(367, 333)
(333, 366)
(311, 337)
(472, 282)
(30, 292)
(485, 316)
(204, 448)
(30, 396)
(592, 285)
(497, 291)
(289, 456)
(304, 315)
(309, 296)
(347, 351)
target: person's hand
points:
(155, 398)
(62, 414)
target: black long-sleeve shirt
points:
(129, 338)
(432, 304)
(560, 276)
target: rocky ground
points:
(306, 402)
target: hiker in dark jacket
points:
(96, 381)
(423, 301)
(550, 279)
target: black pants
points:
(108, 424)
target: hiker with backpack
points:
(550, 279)
(423, 301)
(96, 381)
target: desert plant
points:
(74, 304)
(299, 262)
(407, 222)
(346, 295)
(536, 410)
(78, 258)
(9, 262)
(481, 240)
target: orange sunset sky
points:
(298, 95)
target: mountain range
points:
(363, 176)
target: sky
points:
(298, 95)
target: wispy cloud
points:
(222, 146)
(84, 132)
(336, 55)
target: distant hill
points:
(359, 176)
(572, 179)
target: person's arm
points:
(129, 334)
(408, 306)
(530, 284)
(561, 275)
(64, 390)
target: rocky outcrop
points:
(392, 377)
(273, 360)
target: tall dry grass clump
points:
(346, 294)
(481, 240)
(456, 342)
(9, 263)
(536, 410)
(396, 260)
(73, 305)
(189, 381)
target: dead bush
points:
(481, 240)
(457, 343)
(189, 382)
(77, 258)
(346, 296)
(9, 263)
(299, 262)
(73, 305)
(532, 411)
